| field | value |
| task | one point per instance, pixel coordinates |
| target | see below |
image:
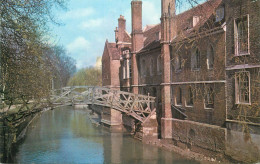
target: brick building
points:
(202, 65)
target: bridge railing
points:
(140, 107)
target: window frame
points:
(151, 67)
(124, 69)
(178, 97)
(178, 63)
(237, 88)
(189, 97)
(159, 68)
(130, 68)
(236, 39)
(143, 68)
(194, 61)
(207, 105)
(210, 46)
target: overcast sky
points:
(88, 23)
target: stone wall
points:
(206, 136)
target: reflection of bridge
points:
(139, 107)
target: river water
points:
(68, 136)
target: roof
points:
(127, 37)
(203, 11)
(151, 33)
(113, 51)
(151, 37)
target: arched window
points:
(151, 67)
(178, 63)
(179, 96)
(195, 59)
(242, 88)
(209, 98)
(210, 57)
(190, 97)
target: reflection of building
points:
(202, 65)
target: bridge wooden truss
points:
(140, 107)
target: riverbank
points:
(14, 126)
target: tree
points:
(27, 61)
(87, 77)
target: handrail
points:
(138, 106)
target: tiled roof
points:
(184, 27)
(185, 20)
(113, 51)
(151, 33)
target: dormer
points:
(195, 20)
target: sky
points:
(86, 25)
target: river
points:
(67, 136)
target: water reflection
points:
(67, 136)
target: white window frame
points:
(237, 88)
(236, 36)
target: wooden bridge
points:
(139, 107)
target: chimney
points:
(116, 35)
(137, 31)
(121, 28)
(137, 40)
(168, 22)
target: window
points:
(210, 57)
(190, 97)
(124, 69)
(130, 68)
(143, 68)
(195, 21)
(179, 96)
(159, 69)
(220, 13)
(195, 60)
(178, 63)
(151, 67)
(242, 88)
(209, 98)
(241, 31)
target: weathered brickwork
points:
(203, 67)
(249, 62)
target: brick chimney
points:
(116, 35)
(137, 39)
(121, 28)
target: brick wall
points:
(234, 10)
(193, 134)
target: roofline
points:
(204, 34)
(207, 1)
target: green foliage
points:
(86, 77)
(28, 63)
